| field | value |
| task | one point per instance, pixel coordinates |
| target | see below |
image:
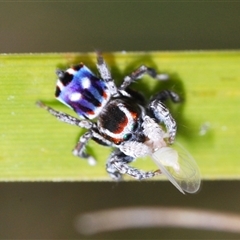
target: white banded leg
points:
(106, 75)
(162, 114)
(66, 118)
(79, 149)
(117, 165)
(123, 168)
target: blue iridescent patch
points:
(81, 90)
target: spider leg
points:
(162, 114)
(118, 164)
(66, 118)
(167, 94)
(139, 72)
(106, 75)
(79, 149)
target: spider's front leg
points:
(118, 164)
(139, 72)
(162, 114)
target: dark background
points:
(48, 210)
(115, 26)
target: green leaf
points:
(35, 146)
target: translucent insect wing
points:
(179, 167)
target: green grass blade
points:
(35, 146)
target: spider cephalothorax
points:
(119, 121)
(123, 121)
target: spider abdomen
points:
(81, 90)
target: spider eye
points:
(134, 126)
(127, 136)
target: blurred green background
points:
(48, 210)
